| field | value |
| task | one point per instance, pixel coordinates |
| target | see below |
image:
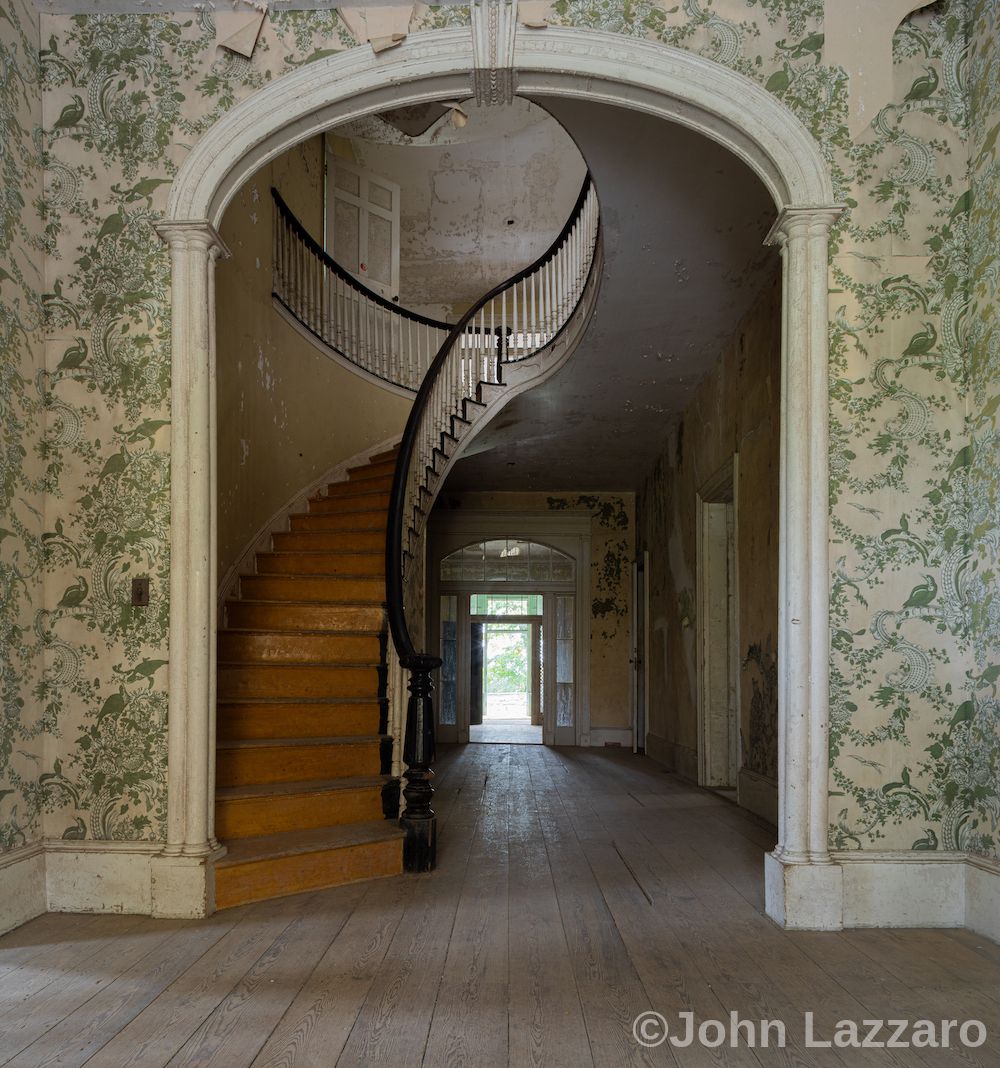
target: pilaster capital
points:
(803, 222)
(194, 235)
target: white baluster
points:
(502, 347)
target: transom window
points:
(508, 560)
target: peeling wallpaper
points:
(736, 409)
(913, 488)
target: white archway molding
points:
(803, 885)
(668, 82)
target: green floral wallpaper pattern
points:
(913, 494)
(22, 472)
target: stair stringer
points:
(518, 377)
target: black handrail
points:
(341, 272)
(418, 745)
(394, 536)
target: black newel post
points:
(418, 819)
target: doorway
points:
(506, 685)
(507, 613)
(718, 655)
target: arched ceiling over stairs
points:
(684, 223)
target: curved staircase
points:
(301, 755)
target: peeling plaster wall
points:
(287, 412)
(457, 193)
(24, 395)
(612, 550)
(735, 411)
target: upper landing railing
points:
(371, 332)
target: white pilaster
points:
(803, 886)
(194, 247)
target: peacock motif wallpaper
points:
(96, 114)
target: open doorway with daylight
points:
(507, 621)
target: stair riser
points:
(359, 485)
(369, 502)
(310, 521)
(335, 617)
(299, 648)
(288, 720)
(243, 681)
(249, 767)
(281, 876)
(311, 588)
(320, 563)
(332, 540)
(250, 817)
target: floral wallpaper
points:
(975, 770)
(22, 469)
(112, 103)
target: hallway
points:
(575, 889)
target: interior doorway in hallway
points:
(506, 614)
(507, 667)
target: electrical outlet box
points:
(140, 592)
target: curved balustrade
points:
(375, 334)
(520, 318)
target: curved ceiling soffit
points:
(668, 82)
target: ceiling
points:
(684, 222)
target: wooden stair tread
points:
(291, 843)
(300, 631)
(333, 701)
(322, 552)
(340, 576)
(300, 786)
(265, 743)
(352, 602)
(298, 665)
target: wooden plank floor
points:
(575, 889)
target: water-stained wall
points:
(612, 550)
(287, 412)
(734, 413)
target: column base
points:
(804, 897)
(184, 887)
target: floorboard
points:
(575, 889)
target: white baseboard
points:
(982, 896)
(22, 885)
(615, 736)
(261, 541)
(99, 876)
(903, 888)
(757, 794)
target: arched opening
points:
(802, 884)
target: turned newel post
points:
(418, 819)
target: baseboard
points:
(93, 876)
(614, 736)
(903, 889)
(22, 885)
(982, 896)
(658, 749)
(758, 794)
(678, 758)
(299, 502)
